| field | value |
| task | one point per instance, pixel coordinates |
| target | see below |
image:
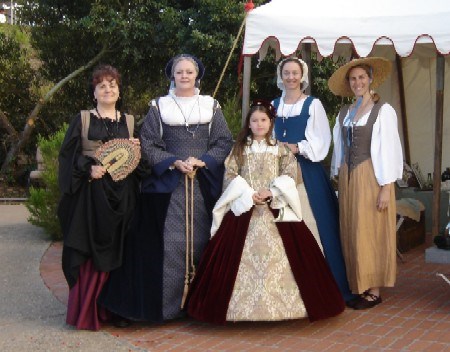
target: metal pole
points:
(246, 86)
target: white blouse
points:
(318, 136)
(385, 150)
(176, 111)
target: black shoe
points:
(120, 322)
(352, 303)
(363, 303)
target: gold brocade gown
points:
(265, 288)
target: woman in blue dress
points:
(185, 140)
(303, 126)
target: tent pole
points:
(440, 74)
(307, 59)
(401, 88)
(246, 86)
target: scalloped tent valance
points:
(411, 33)
(338, 25)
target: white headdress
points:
(304, 80)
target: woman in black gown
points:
(94, 211)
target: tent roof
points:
(285, 24)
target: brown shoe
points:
(364, 303)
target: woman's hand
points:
(383, 197)
(195, 162)
(189, 165)
(292, 147)
(183, 166)
(136, 141)
(97, 171)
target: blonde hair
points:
(184, 57)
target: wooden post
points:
(401, 88)
(307, 59)
(440, 74)
(246, 86)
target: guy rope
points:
(248, 7)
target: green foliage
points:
(43, 202)
(231, 109)
(321, 73)
(17, 81)
(140, 37)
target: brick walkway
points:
(414, 316)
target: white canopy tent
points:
(414, 34)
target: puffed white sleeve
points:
(386, 148)
(318, 136)
(338, 152)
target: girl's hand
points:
(257, 199)
(97, 171)
(264, 194)
(383, 197)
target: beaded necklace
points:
(283, 117)
(108, 132)
(261, 165)
(186, 119)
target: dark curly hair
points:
(100, 73)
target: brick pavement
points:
(414, 316)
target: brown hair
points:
(100, 73)
(375, 97)
(292, 59)
(245, 136)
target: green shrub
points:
(43, 201)
(231, 109)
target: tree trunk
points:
(8, 127)
(34, 115)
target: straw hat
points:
(338, 82)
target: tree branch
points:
(34, 115)
(8, 127)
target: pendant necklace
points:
(186, 119)
(283, 117)
(108, 132)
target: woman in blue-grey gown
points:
(185, 140)
(303, 126)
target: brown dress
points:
(367, 235)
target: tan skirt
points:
(368, 236)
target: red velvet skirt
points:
(82, 309)
(212, 287)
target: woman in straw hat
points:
(368, 157)
(302, 125)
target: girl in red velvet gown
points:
(262, 262)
